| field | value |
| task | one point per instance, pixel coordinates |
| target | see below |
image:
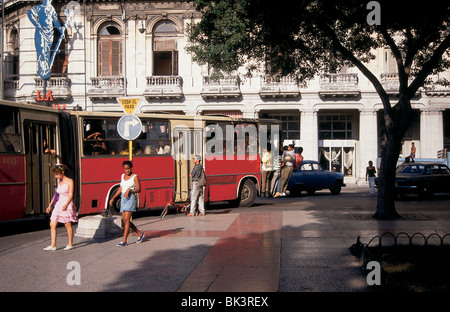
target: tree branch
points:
(428, 67)
(366, 72)
(402, 75)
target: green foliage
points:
(305, 37)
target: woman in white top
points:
(129, 186)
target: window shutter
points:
(103, 64)
(116, 58)
(175, 63)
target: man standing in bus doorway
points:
(266, 171)
(197, 196)
(287, 167)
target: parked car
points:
(311, 177)
(422, 178)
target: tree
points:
(303, 38)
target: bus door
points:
(187, 144)
(40, 156)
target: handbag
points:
(287, 158)
(202, 179)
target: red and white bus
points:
(34, 138)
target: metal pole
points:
(125, 53)
(130, 149)
(2, 95)
(85, 65)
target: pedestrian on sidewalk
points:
(129, 186)
(413, 151)
(197, 196)
(64, 210)
(370, 175)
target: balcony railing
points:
(277, 86)
(60, 87)
(391, 83)
(439, 85)
(339, 85)
(225, 87)
(169, 87)
(107, 87)
(10, 88)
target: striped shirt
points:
(277, 163)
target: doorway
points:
(187, 144)
(40, 157)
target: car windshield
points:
(416, 169)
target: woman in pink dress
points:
(64, 210)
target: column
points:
(368, 141)
(431, 133)
(309, 134)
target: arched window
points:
(165, 54)
(12, 56)
(110, 52)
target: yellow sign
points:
(129, 105)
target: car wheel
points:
(296, 190)
(336, 188)
(311, 192)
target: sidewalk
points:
(285, 245)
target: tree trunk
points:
(397, 121)
(386, 182)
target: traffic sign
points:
(129, 127)
(129, 105)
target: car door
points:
(443, 181)
(321, 177)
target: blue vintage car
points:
(311, 177)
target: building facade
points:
(136, 49)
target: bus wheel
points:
(248, 193)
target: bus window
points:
(101, 138)
(94, 141)
(9, 132)
(246, 139)
(155, 137)
(220, 140)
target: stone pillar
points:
(309, 133)
(431, 133)
(368, 141)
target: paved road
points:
(285, 245)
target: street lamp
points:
(141, 26)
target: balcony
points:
(278, 87)
(60, 87)
(10, 88)
(164, 87)
(439, 85)
(106, 87)
(391, 83)
(226, 87)
(339, 85)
